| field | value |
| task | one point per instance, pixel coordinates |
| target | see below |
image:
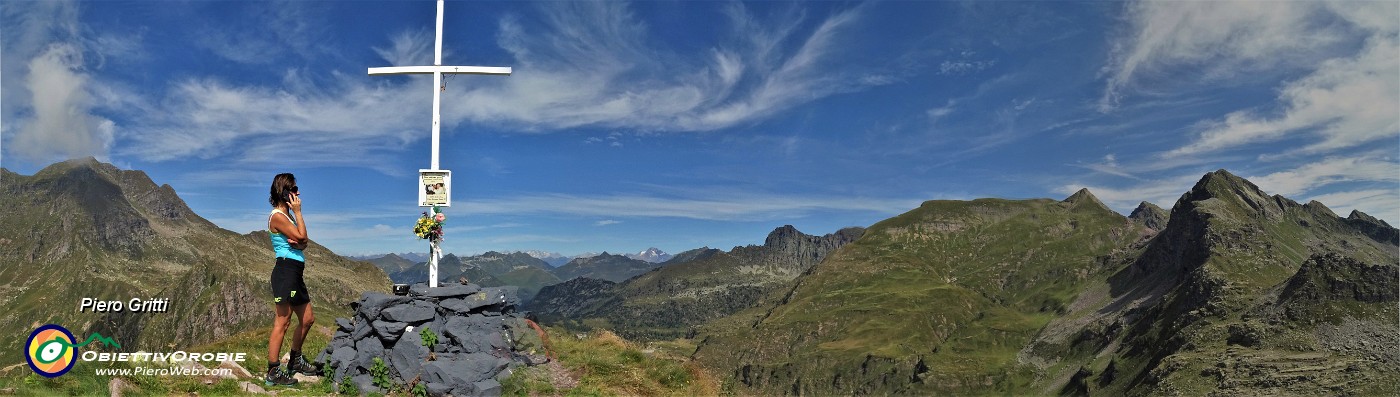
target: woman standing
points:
(289, 294)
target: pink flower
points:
(440, 217)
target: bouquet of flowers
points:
(429, 226)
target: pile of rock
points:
(470, 344)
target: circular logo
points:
(50, 351)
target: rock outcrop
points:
(457, 339)
(1150, 215)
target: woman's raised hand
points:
(294, 202)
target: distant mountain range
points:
(83, 228)
(652, 255)
(694, 287)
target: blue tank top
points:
(279, 240)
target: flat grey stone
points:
(408, 355)
(488, 387)
(343, 324)
(389, 331)
(371, 303)
(365, 383)
(342, 360)
(466, 304)
(413, 313)
(508, 295)
(366, 350)
(448, 291)
(438, 389)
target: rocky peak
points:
(1374, 228)
(786, 243)
(1223, 185)
(1149, 215)
(1318, 208)
(1083, 198)
(1357, 215)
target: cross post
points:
(437, 70)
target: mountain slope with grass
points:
(936, 300)
(83, 228)
(1239, 292)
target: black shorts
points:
(287, 285)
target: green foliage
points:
(429, 337)
(380, 373)
(347, 387)
(419, 390)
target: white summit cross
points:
(437, 70)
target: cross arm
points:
(443, 69)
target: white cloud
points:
(606, 222)
(1345, 103)
(1221, 38)
(357, 124)
(1110, 166)
(408, 48)
(62, 124)
(1308, 177)
(962, 67)
(940, 112)
(48, 106)
(1344, 99)
(590, 65)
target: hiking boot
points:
(299, 365)
(278, 377)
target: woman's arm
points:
(296, 233)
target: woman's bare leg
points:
(279, 330)
(307, 318)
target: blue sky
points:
(688, 124)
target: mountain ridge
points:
(82, 228)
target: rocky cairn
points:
(454, 340)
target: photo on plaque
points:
(434, 188)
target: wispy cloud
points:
(1110, 166)
(1345, 103)
(1345, 98)
(1311, 176)
(627, 84)
(606, 222)
(1222, 39)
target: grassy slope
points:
(939, 299)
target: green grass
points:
(606, 365)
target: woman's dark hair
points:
(281, 186)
